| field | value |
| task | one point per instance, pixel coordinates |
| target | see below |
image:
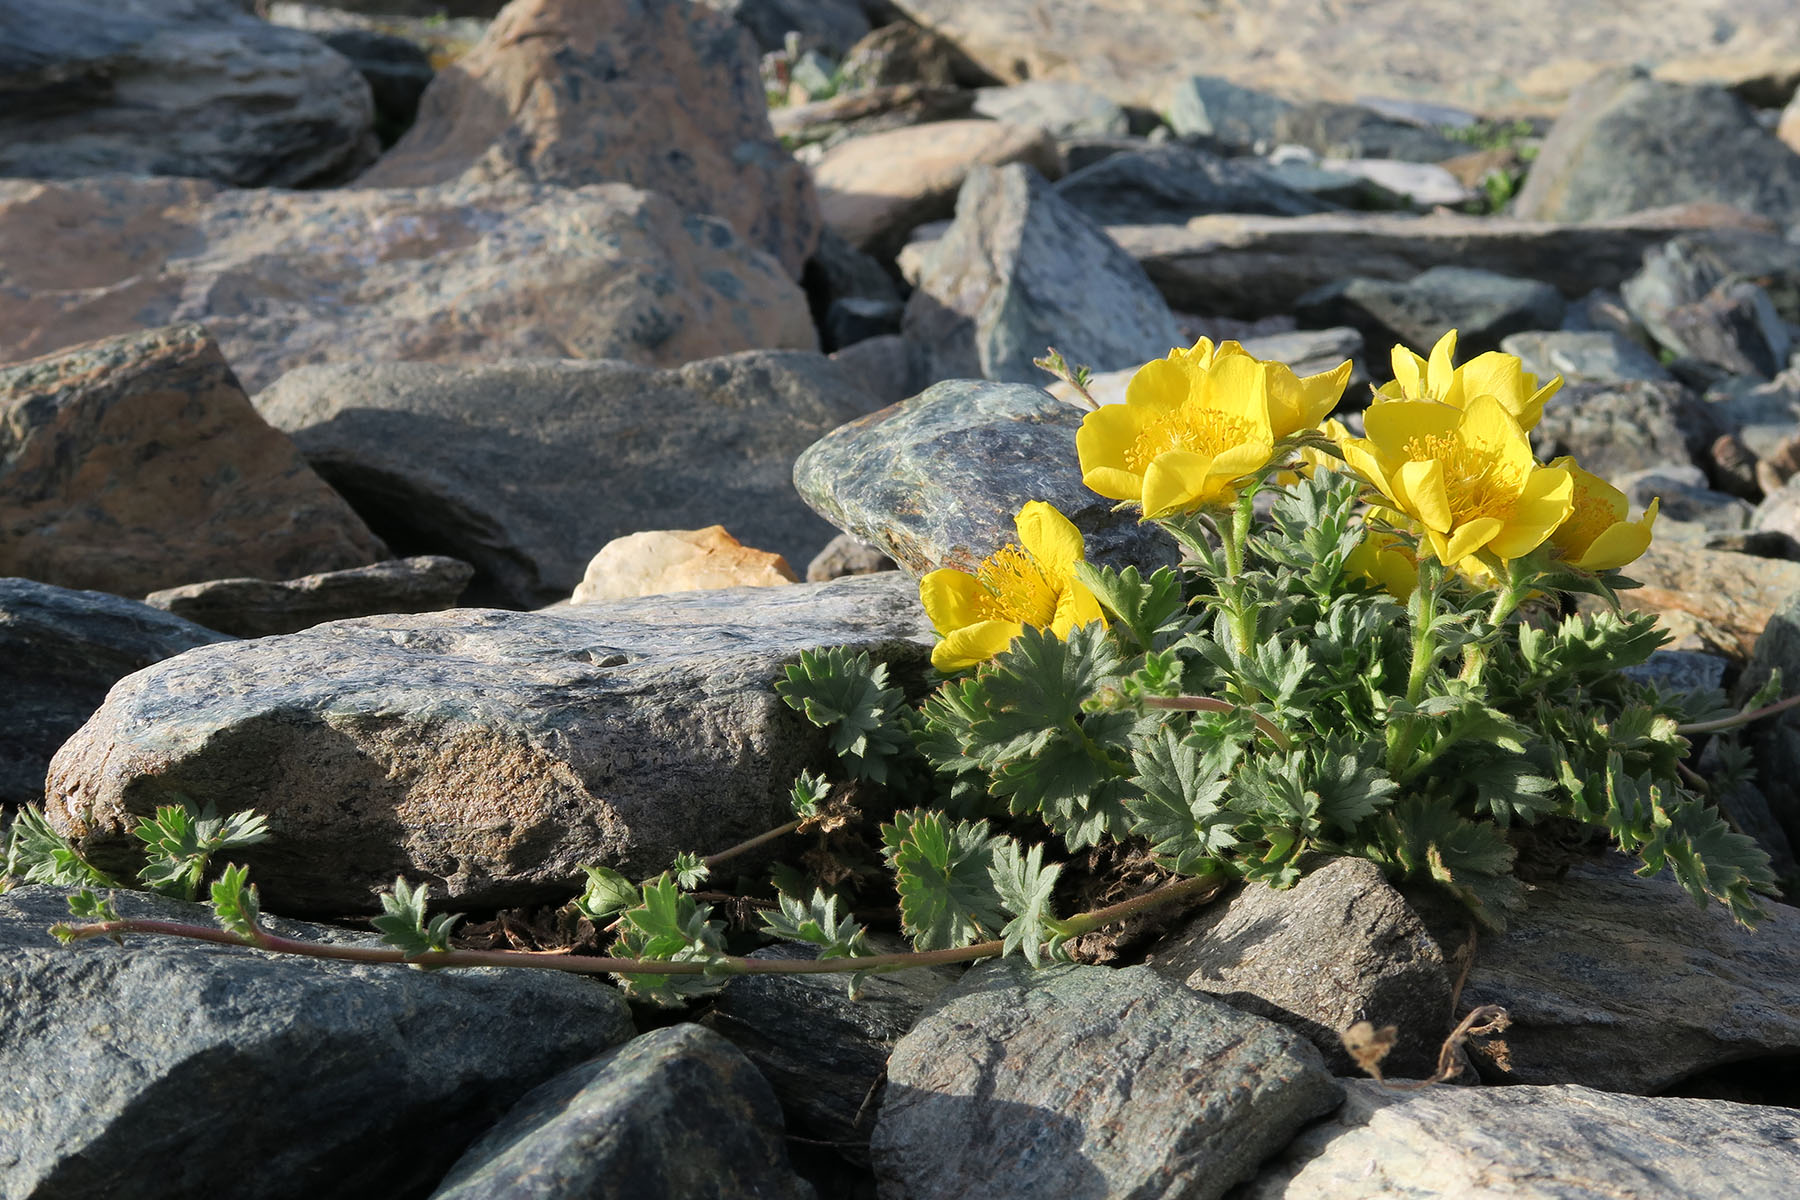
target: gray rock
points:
(98, 87)
(1414, 184)
(676, 1112)
(825, 1053)
(1690, 510)
(1680, 670)
(1301, 170)
(1748, 809)
(844, 555)
(60, 651)
(1624, 984)
(881, 368)
(1627, 142)
(1688, 268)
(936, 480)
(1172, 183)
(900, 52)
(1420, 112)
(829, 25)
(1535, 1143)
(1060, 109)
(1311, 351)
(1081, 1081)
(1352, 131)
(1020, 270)
(1481, 306)
(526, 469)
(1339, 947)
(258, 608)
(1776, 742)
(1779, 511)
(1732, 327)
(197, 1069)
(397, 69)
(1763, 413)
(489, 753)
(1598, 356)
(1634, 425)
(1210, 107)
(1603, 310)
(839, 272)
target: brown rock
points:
(259, 608)
(661, 94)
(901, 52)
(659, 561)
(1733, 593)
(444, 274)
(825, 123)
(874, 190)
(137, 462)
(1788, 128)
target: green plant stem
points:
(1243, 613)
(1403, 735)
(1208, 704)
(1197, 887)
(780, 831)
(1724, 723)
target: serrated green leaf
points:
(817, 923)
(235, 902)
(942, 873)
(607, 892)
(37, 853)
(403, 923)
(1024, 886)
(690, 870)
(847, 694)
(1179, 807)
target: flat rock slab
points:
(1080, 1081)
(936, 480)
(196, 1069)
(175, 87)
(259, 608)
(527, 469)
(678, 1112)
(455, 274)
(1731, 596)
(137, 462)
(1622, 983)
(1536, 1143)
(60, 651)
(1250, 266)
(487, 753)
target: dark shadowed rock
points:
(1482, 306)
(526, 469)
(137, 462)
(844, 555)
(1352, 131)
(1777, 741)
(198, 1069)
(60, 651)
(936, 480)
(175, 87)
(258, 608)
(1632, 425)
(661, 94)
(1172, 183)
(1080, 1081)
(1685, 269)
(676, 1112)
(832, 26)
(1535, 1143)
(488, 753)
(1340, 947)
(1627, 142)
(397, 69)
(825, 1054)
(1020, 270)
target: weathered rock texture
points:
(677, 560)
(1086, 1081)
(175, 87)
(936, 481)
(137, 462)
(486, 753)
(676, 1112)
(527, 469)
(1535, 1143)
(1733, 594)
(461, 275)
(203, 1070)
(258, 608)
(660, 94)
(60, 650)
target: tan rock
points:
(463, 274)
(1788, 128)
(874, 190)
(658, 561)
(661, 94)
(1732, 594)
(136, 463)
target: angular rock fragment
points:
(259, 608)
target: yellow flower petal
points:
(1440, 376)
(1158, 385)
(952, 599)
(1174, 480)
(1468, 537)
(1049, 537)
(1544, 504)
(1621, 543)
(1419, 489)
(1114, 483)
(1078, 606)
(973, 644)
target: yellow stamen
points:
(1017, 588)
(1188, 427)
(1593, 516)
(1477, 484)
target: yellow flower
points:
(1387, 561)
(1294, 403)
(1596, 536)
(1030, 582)
(1501, 376)
(1183, 437)
(1466, 475)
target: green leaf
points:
(235, 902)
(807, 794)
(1142, 606)
(847, 694)
(669, 925)
(690, 870)
(92, 906)
(180, 840)
(1179, 806)
(37, 853)
(607, 892)
(817, 923)
(1024, 886)
(1423, 836)
(403, 924)
(943, 873)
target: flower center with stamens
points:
(1017, 588)
(1477, 483)
(1592, 516)
(1192, 427)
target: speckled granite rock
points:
(486, 753)
(1080, 1081)
(936, 480)
(677, 1112)
(259, 607)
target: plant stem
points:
(713, 860)
(1208, 704)
(1197, 887)
(1724, 723)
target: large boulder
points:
(526, 469)
(461, 275)
(137, 462)
(661, 94)
(175, 87)
(490, 754)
